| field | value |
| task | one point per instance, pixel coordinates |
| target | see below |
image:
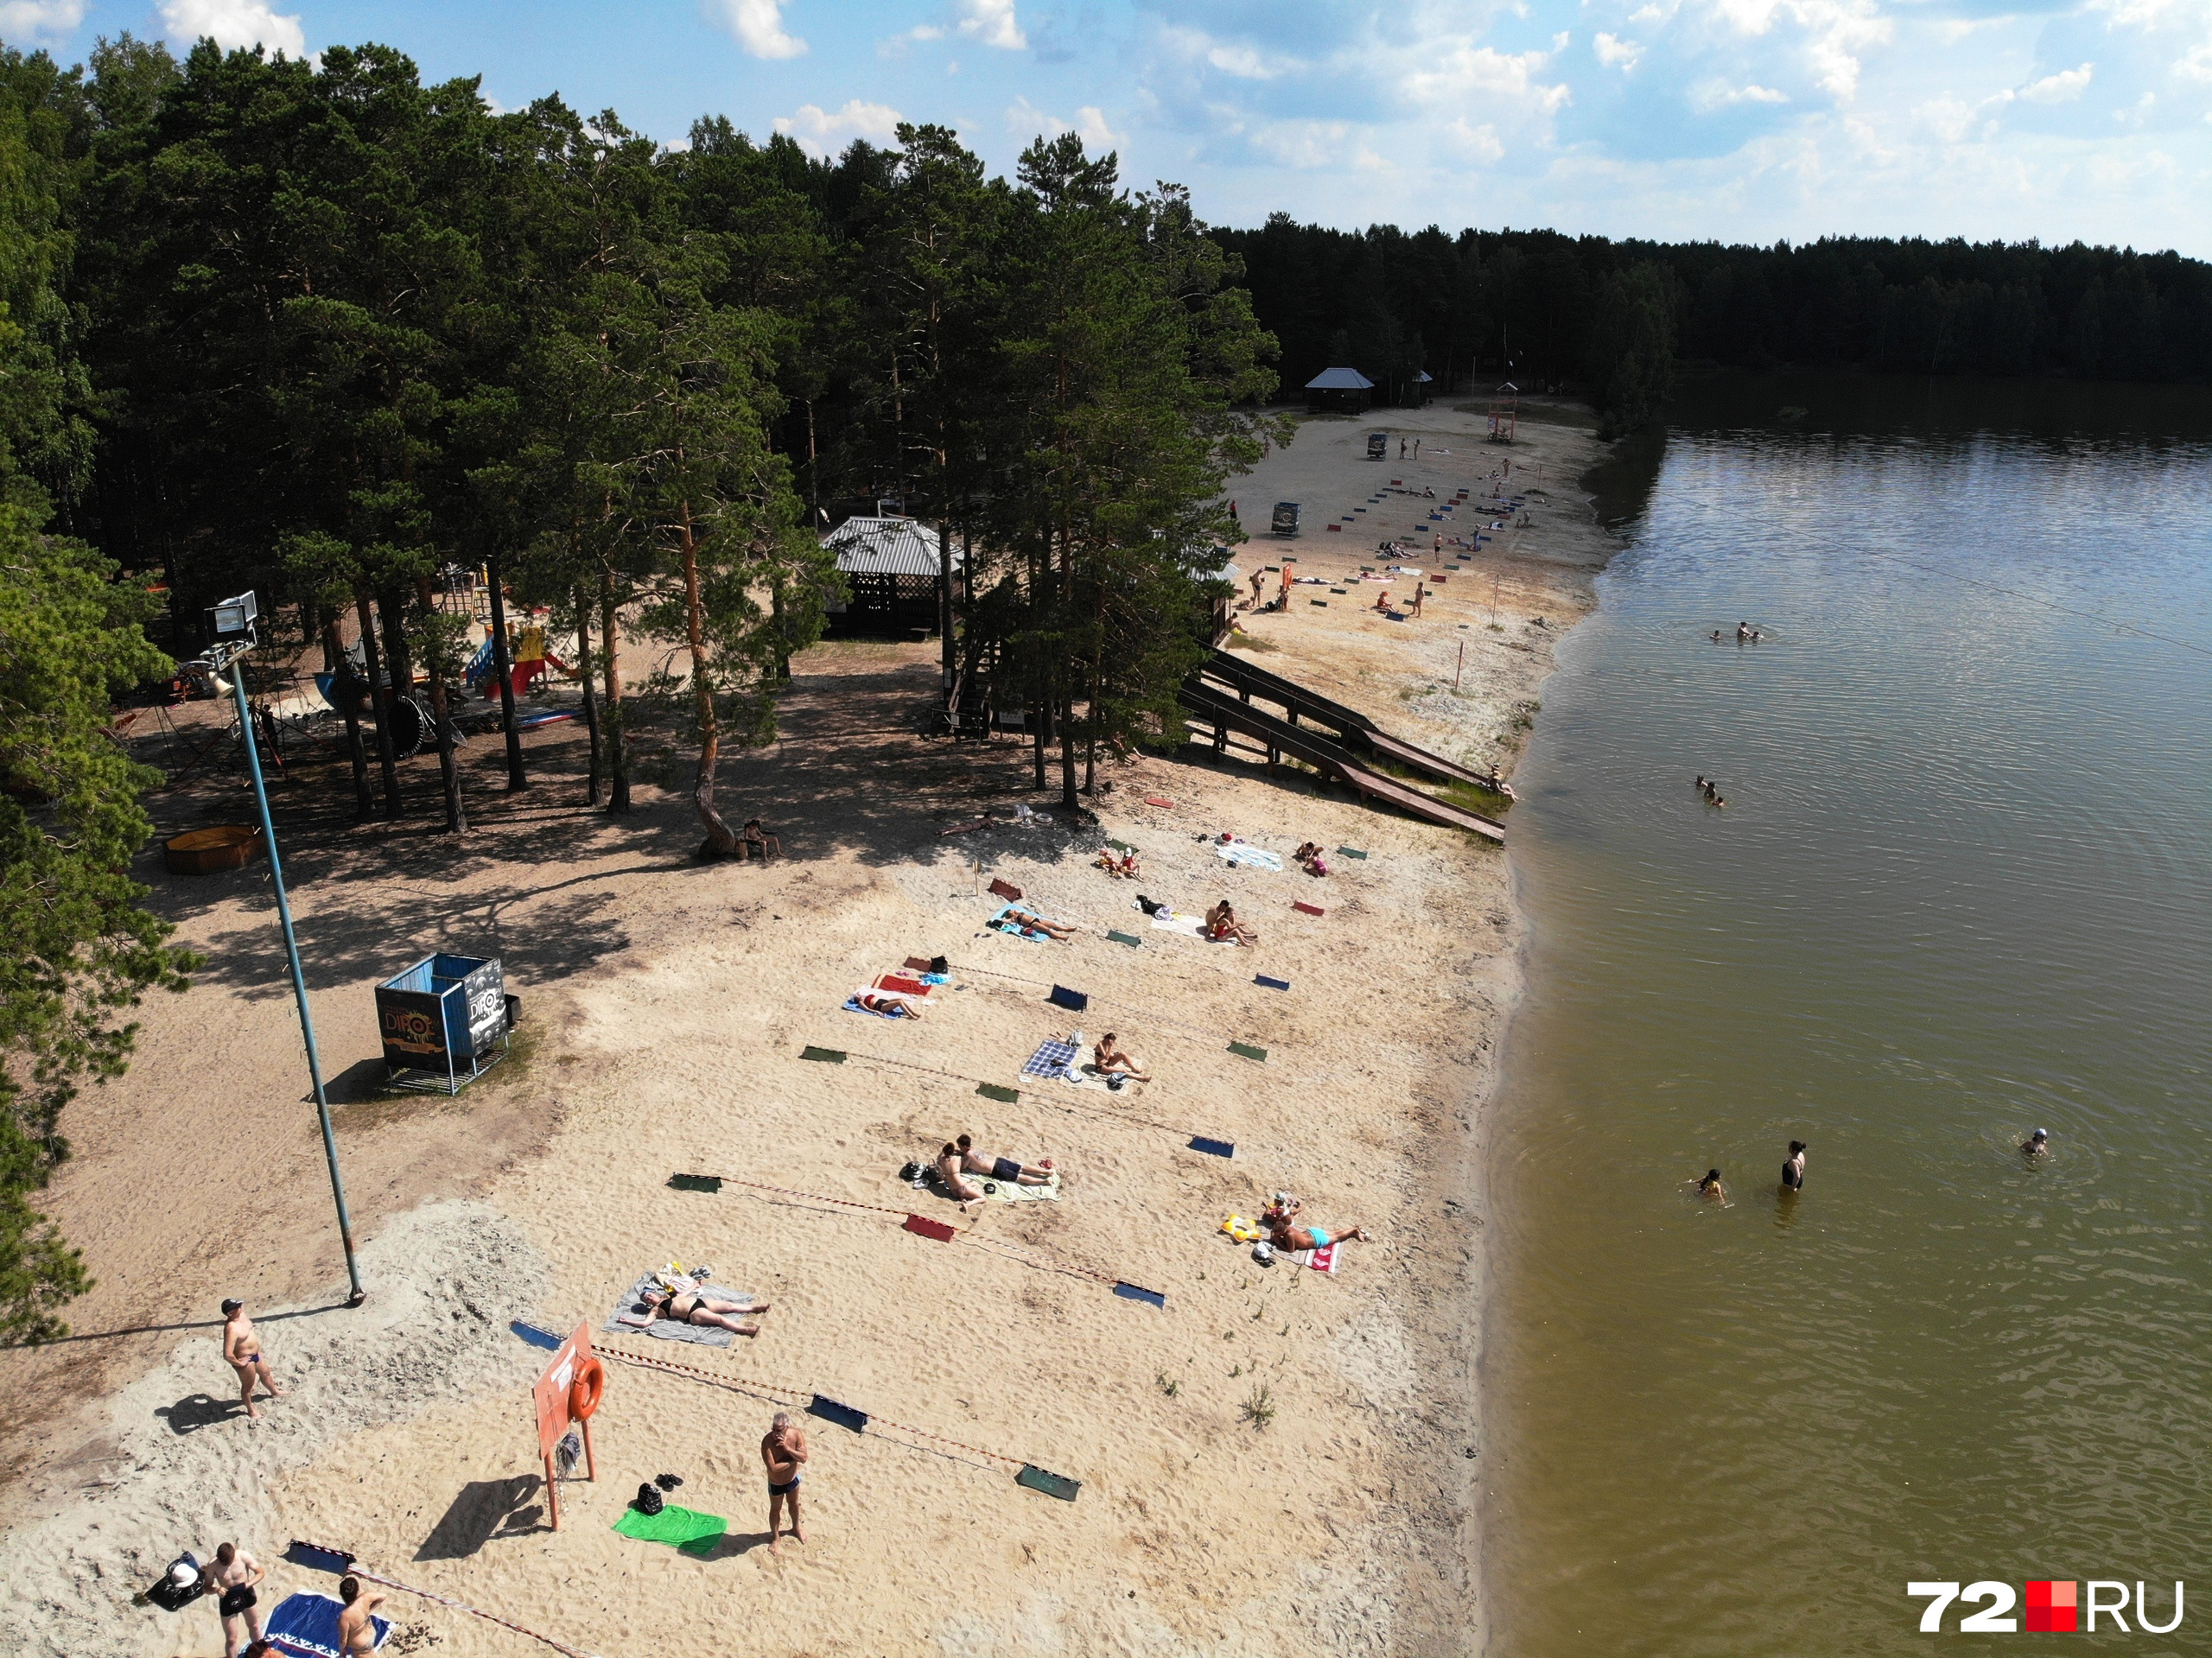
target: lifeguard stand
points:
(1505, 413)
(444, 1021)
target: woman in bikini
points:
(1223, 925)
(703, 1306)
(1028, 923)
(893, 1006)
(1108, 1059)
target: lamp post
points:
(232, 623)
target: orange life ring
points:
(589, 1388)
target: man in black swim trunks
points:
(233, 1580)
(783, 1448)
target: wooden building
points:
(1339, 391)
(892, 566)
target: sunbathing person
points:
(1028, 923)
(703, 1306)
(1223, 925)
(1120, 867)
(753, 840)
(884, 1002)
(1001, 1168)
(1109, 1060)
(1287, 1232)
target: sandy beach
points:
(1278, 1458)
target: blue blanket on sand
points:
(1051, 1060)
(306, 1626)
(1002, 925)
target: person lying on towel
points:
(1222, 924)
(1287, 1232)
(1029, 923)
(878, 1001)
(1001, 1168)
(703, 1306)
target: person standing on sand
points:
(1793, 1167)
(1416, 448)
(1420, 592)
(783, 1448)
(242, 1352)
(233, 1580)
(357, 1631)
(1402, 448)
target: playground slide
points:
(1353, 729)
(1214, 708)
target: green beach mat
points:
(1133, 942)
(684, 1528)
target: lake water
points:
(1961, 889)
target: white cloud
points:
(1837, 32)
(992, 21)
(2062, 88)
(22, 19)
(1306, 145)
(1231, 57)
(820, 132)
(1612, 50)
(758, 26)
(233, 23)
(1710, 95)
(1025, 120)
(1482, 72)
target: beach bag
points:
(914, 1174)
(648, 1500)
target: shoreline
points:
(666, 1016)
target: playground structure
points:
(1505, 413)
(1220, 695)
(445, 1022)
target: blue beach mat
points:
(307, 1626)
(1052, 1061)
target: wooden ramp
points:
(1217, 709)
(1352, 729)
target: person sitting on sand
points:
(1223, 925)
(1109, 1060)
(753, 838)
(1121, 868)
(1001, 1168)
(1288, 1233)
(1710, 1189)
(357, 1631)
(703, 1306)
(965, 1192)
(1028, 923)
(891, 1006)
(2036, 1144)
(1308, 858)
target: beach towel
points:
(1193, 926)
(306, 1626)
(1249, 857)
(902, 984)
(1321, 1261)
(1003, 1192)
(668, 1330)
(686, 1528)
(1052, 1059)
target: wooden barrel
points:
(207, 851)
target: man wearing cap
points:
(242, 1352)
(2036, 1144)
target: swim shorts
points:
(1005, 1169)
(784, 1489)
(235, 1601)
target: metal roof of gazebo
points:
(871, 546)
(1340, 379)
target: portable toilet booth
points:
(1378, 446)
(444, 1022)
(1285, 518)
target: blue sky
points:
(1741, 120)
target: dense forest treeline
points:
(328, 332)
(1548, 307)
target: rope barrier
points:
(1026, 1094)
(360, 1571)
(961, 1234)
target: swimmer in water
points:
(2036, 1144)
(1793, 1167)
(1710, 1188)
